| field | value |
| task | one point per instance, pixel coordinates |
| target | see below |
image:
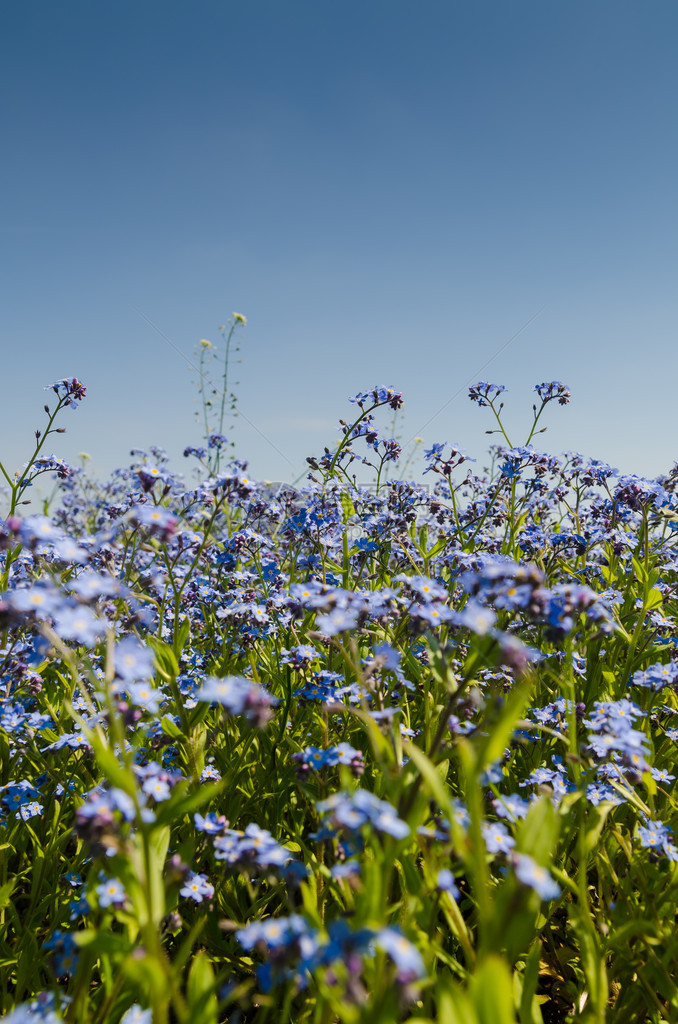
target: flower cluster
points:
(70, 391)
(485, 394)
(239, 696)
(378, 396)
(350, 812)
(553, 389)
(318, 744)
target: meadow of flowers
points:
(340, 752)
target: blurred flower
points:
(536, 877)
(405, 956)
(445, 882)
(137, 1015)
(110, 893)
(132, 660)
(239, 696)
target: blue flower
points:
(536, 877)
(339, 620)
(137, 1015)
(15, 795)
(379, 396)
(133, 660)
(216, 441)
(211, 823)
(35, 1012)
(511, 807)
(196, 887)
(405, 956)
(254, 846)
(434, 614)
(13, 718)
(239, 696)
(497, 838)
(63, 947)
(656, 677)
(353, 811)
(78, 907)
(436, 450)
(69, 390)
(29, 810)
(42, 600)
(445, 882)
(156, 787)
(315, 758)
(298, 656)
(346, 868)
(67, 550)
(655, 835)
(597, 793)
(425, 588)
(80, 625)
(259, 846)
(273, 933)
(110, 893)
(144, 696)
(484, 393)
(200, 453)
(90, 585)
(553, 389)
(157, 519)
(475, 617)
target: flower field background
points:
(342, 751)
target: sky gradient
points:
(388, 191)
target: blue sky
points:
(388, 191)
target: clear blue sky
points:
(388, 190)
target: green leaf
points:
(104, 942)
(165, 659)
(432, 780)
(179, 804)
(620, 936)
(29, 962)
(492, 992)
(654, 600)
(516, 910)
(159, 844)
(201, 991)
(180, 637)
(501, 730)
(148, 974)
(6, 891)
(529, 1011)
(170, 728)
(380, 744)
(142, 873)
(453, 1005)
(115, 772)
(592, 957)
(596, 818)
(538, 833)
(639, 570)
(347, 506)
